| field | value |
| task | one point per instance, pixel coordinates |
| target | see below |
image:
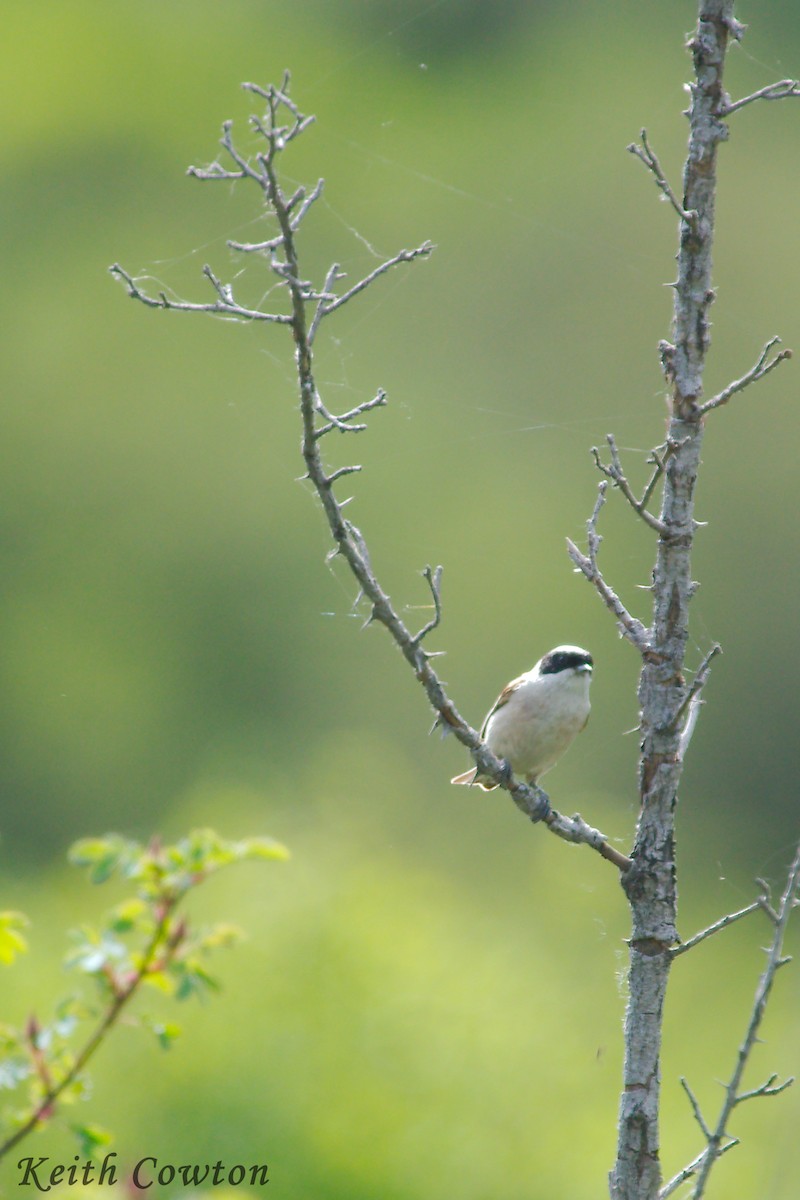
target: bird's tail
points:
(469, 777)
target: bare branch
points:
(733, 1095)
(340, 472)
(224, 306)
(334, 273)
(434, 580)
(761, 368)
(264, 247)
(722, 923)
(575, 829)
(691, 1169)
(313, 195)
(648, 157)
(782, 90)
(402, 256)
(629, 626)
(342, 422)
(691, 703)
(614, 472)
(768, 1088)
(659, 457)
(698, 1116)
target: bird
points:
(537, 716)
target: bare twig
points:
(343, 421)
(648, 157)
(733, 1095)
(403, 256)
(782, 90)
(722, 923)
(762, 367)
(698, 1116)
(691, 1169)
(614, 472)
(691, 702)
(768, 1088)
(434, 581)
(224, 306)
(575, 829)
(629, 626)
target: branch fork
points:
(761, 368)
(647, 155)
(629, 626)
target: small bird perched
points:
(536, 717)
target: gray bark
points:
(651, 883)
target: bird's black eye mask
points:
(562, 660)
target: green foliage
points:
(142, 941)
(12, 941)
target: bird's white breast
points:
(537, 723)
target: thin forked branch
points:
(648, 157)
(690, 705)
(628, 625)
(224, 305)
(614, 472)
(782, 90)
(760, 368)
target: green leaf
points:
(91, 1138)
(128, 916)
(223, 934)
(263, 847)
(12, 942)
(102, 855)
(193, 980)
(166, 1032)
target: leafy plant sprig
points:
(144, 940)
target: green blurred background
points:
(429, 1002)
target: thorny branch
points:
(669, 706)
(718, 1140)
(307, 308)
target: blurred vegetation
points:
(141, 943)
(431, 996)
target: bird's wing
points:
(502, 700)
